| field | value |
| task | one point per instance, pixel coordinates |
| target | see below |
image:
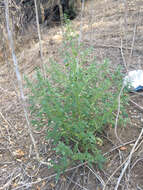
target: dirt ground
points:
(115, 30)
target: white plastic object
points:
(134, 80)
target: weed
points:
(76, 103)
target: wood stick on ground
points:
(71, 178)
(8, 134)
(139, 146)
(140, 108)
(8, 123)
(109, 179)
(77, 184)
(9, 182)
(128, 160)
(136, 162)
(48, 177)
(97, 176)
(115, 148)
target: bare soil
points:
(115, 30)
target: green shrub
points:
(76, 103)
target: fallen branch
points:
(76, 183)
(49, 177)
(140, 108)
(117, 147)
(9, 182)
(136, 162)
(97, 176)
(72, 177)
(128, 160)
(109, 179)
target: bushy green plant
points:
(76, 102)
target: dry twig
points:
(117, 116)
(9, 182)
(129, 159)
(97, 176)
(47, 178)
(109, 179)
(136, 162)
(73, 175)
(39, 36)
(137, 105)
(123, 57)
(77, 184)
(117, 147)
